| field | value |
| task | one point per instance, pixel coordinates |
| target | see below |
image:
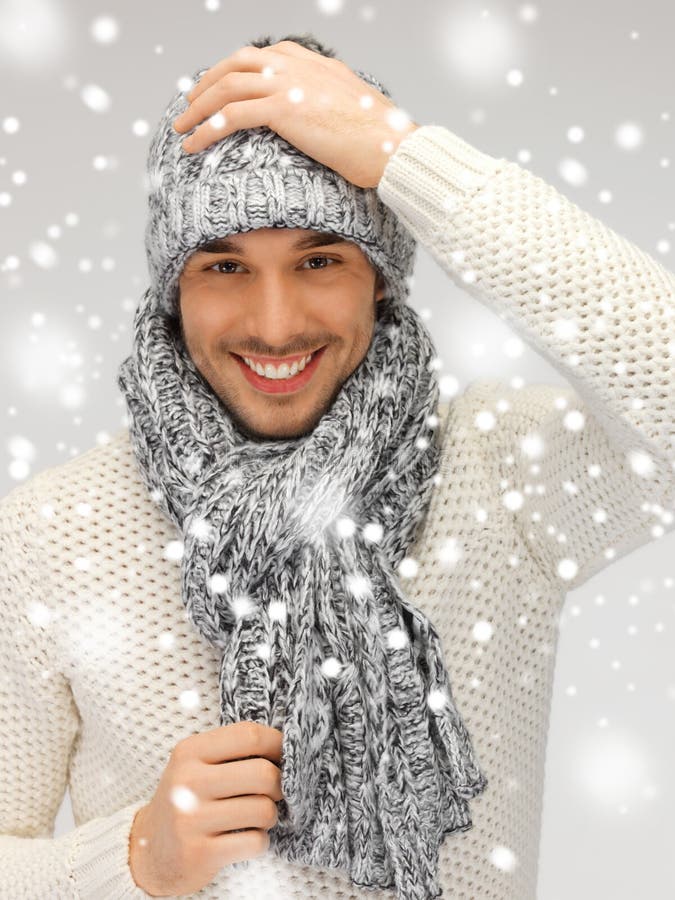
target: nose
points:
(279, 317)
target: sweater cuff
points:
(99, 862)
(431, 173)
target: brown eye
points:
(327, 258)
(224, 262)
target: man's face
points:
(266, 298)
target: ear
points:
(380, 286)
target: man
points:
(377, 577)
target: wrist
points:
(138, 856)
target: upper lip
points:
(275, 361)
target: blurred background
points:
(580, 92)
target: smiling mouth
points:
(278, 361)
(293, 384)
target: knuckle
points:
(268, 771)
(261, 770)
(272, 775)
(251, 737)
(270, 813)
(261, 841)
(247, 54)
(181, 751)
(183, 772)
(186, 779)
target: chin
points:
(277, 425)
(274, 417)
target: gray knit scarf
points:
(290, 556)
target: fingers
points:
(238, 778)
(236, 741)
(235, 116)
(237, 846)
(246, 59)
(236, 86)
(252, 811)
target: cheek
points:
(346, 311)
(206, 314)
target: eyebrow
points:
(316, 239)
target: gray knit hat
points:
(253, 178)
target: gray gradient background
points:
(608, 828)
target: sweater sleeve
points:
(38, 726)
(587, 472)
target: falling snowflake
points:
(96, 98)
(359, 585)
(202, 529)
(503, 858)
(105, 30)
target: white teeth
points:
(283, 371)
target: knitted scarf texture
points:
(292, 548)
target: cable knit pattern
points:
(539, 488)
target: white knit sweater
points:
(101, 674)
